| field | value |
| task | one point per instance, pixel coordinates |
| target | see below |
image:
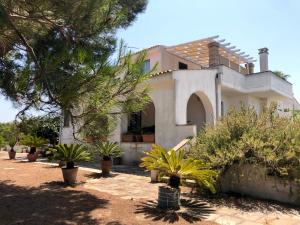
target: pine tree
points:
(55, 55)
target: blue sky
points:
(249, 25)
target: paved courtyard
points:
(241, 211)
(226, 210)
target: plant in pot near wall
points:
(176, 166)
(33, 142)
(107, 150)
(69, 154)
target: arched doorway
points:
(199, 110)
(141, 125)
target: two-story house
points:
(196, 83)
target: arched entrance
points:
(199, 110)
(141, 126)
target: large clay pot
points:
(32, 157)
(168, 198)
(149, 138)
(69, 175)
(12, 154)
(106, 167)
(127, 137)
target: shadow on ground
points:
(99, 175)
(191, 211)
(46, 205)
(245, 203)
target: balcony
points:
(258, 84)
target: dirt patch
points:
(32, 193)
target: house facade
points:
(195, 83)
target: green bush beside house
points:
(267, 141)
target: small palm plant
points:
(69, 153)
(107, 150)
(175, 165)
(33, 142)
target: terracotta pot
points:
(168, 198)
(106, 167)
(70, 175)
(12, 154)
(127, 138)
(149, 138)
(32, 157)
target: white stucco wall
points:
(200, 82)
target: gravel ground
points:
(32, 193)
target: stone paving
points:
(136, 185)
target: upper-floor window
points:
(182, 66)
(146, 67)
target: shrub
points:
(245, 137)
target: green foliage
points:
(46, 127)
(33, 141)
(9, 133)
(2, 142)
(245, 137)
(175, 164)
(107, 150)
(281, 74)
(69, 153)
(55, 56)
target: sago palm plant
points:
(33, 142)
(69, 154)
(174, 164)
(107, 150)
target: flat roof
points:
(197, 51)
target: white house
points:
(196, 83)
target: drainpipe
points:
(218, 94)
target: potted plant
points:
(128, 137)
(149, 134)
(107, 150)
(12, 153)
(11, 135)
(69, 154)
(33, 142)
(148, 137)
(176, 166)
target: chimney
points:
(263, 59)
(250, 68)
(213, 52)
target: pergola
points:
(198, 52)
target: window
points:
(66, 119)
(182, 66)
(146, 67)
(135, 122)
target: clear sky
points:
(249, 25)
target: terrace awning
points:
(198, 52)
